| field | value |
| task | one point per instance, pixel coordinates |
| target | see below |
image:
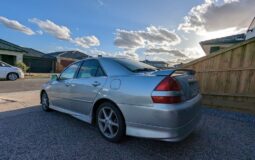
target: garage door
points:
(8, 59)
(39, 65)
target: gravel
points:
(34, 134)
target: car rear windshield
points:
(135, 66)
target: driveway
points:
(26, 132)
(21, 85)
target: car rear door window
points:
(90, 68)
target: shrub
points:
(22, 66)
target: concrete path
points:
(18, 100)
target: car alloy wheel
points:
(110, 122)
(12, 76)
(45, 102)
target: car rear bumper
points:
(164, 134)
(164, 122)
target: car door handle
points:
(96, 83)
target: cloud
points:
(131, 54)
(174, 57)
(150, 37)
(86, 41)
(64, 33)
(13, 24)
(60, 32)
(174, 52)
(216, 15)
(39, 32)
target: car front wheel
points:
(110, 122)
(45, 102)
(12, 76)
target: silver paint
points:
(131, 92)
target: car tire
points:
(45, 102)
(110, 122)
(12, 76)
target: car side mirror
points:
(54, 77)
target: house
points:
(213, 45)
(36, 60)
(39, 62)
(10, 53)
(157, 64)
(251, 30)
(64, 58)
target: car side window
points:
(90, 68)
(70, 72)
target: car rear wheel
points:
(12, 76)
(110, 122)
(45, 102)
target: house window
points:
(214, 49)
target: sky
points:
(165, 30)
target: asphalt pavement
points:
(30, 133)
(21, 85)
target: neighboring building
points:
(179, 65)
(157, 64)
(64, 58)
(213, 45)
(251, 30)
(39, 62)
(36, 60)
(10, 53)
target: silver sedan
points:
(125, 97)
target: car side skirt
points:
(79, 116)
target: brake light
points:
(167, 85)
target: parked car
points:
(125, 97)
(10, 72)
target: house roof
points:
(8, 46)
(225, 40)
(70, 54)
(4, 45)
(35, 53)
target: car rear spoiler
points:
(169, 72)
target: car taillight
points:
(167, 85)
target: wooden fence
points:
(227, 77)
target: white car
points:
(10, 72)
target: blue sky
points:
(119, 27)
